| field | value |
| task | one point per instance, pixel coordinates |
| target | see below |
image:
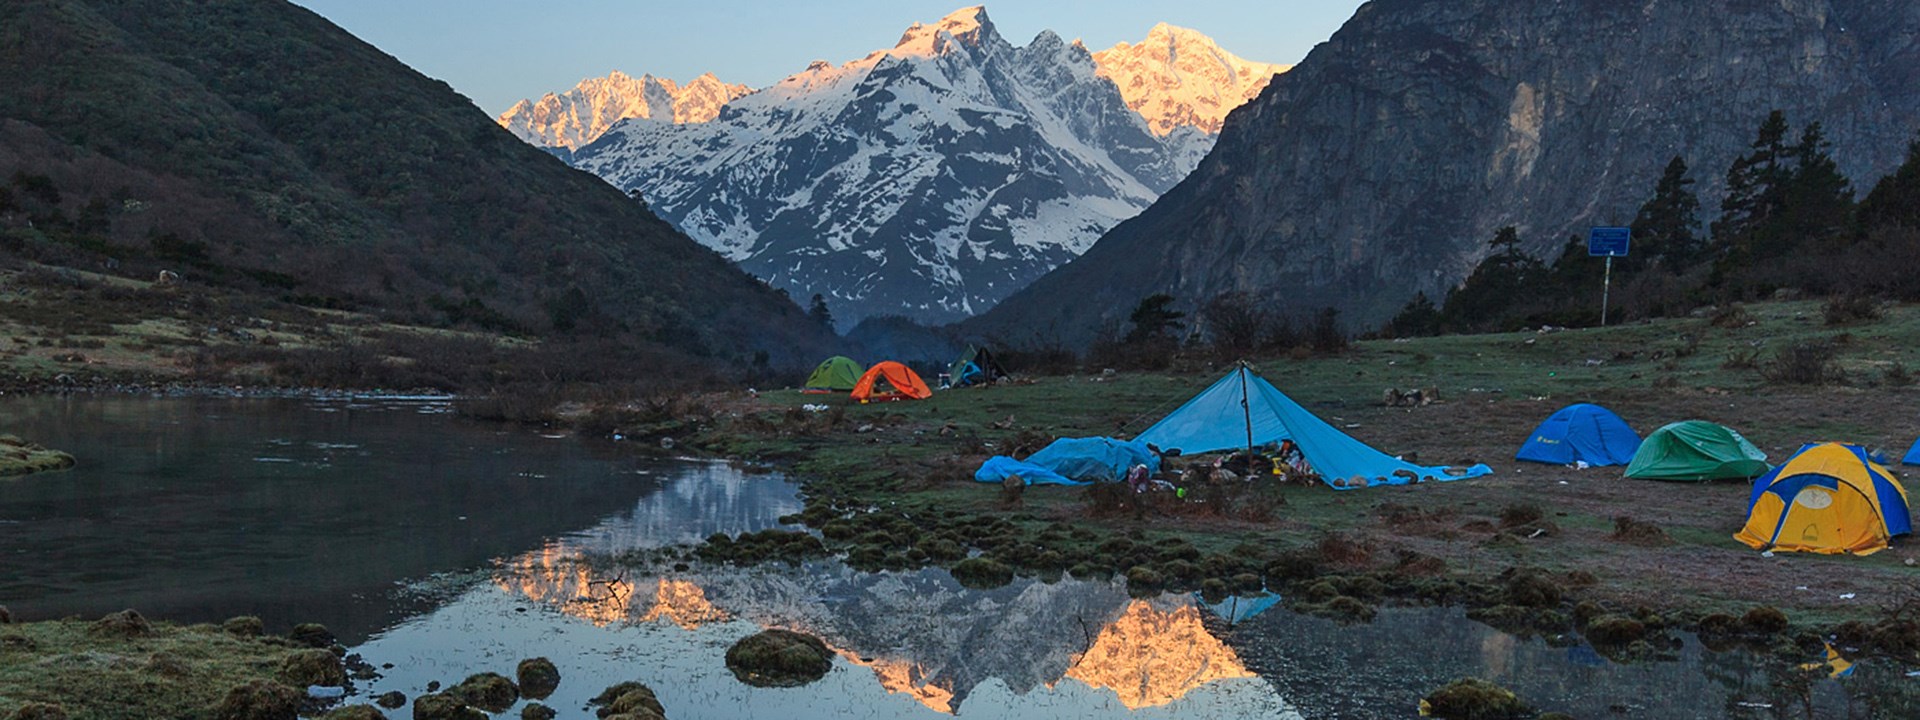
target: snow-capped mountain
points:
(930, 179)
(581, 115)
(1180, 78)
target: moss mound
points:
(538, 677)
(392, 700)
(259, 700)
(1615, 630)
(39, 711)
(779, 658)
(312, 635)
(982, 573)
(355, 712)
(444, 707)
(631, 699)
(313, 667)
(536, 711)
(123, 624)
(1475, 699)
(6, 616)
(1764, 620)
(246, 626)
(491, 692)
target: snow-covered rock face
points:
(583, 114)
(1179, 78)
(931, 179)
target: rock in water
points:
(311, 635)
(779, 658)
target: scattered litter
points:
(1757, 705)
(1913, 674)
(325, 691)
(814, 408)
(1768, 553)
(1580, 465)
(1848, 596)
(1563, 482)
(1800, 587)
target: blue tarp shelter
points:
(1072, 461)
(1581, 433)
(1221, 417)
(1913, 455)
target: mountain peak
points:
(1179, 77)
(579, 116)
(969, 26)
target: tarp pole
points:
(1606, 291)
(1246, 406)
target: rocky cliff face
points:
(581, 115)
(1382, 164)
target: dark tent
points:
(976, 366)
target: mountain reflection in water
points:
(921, 635)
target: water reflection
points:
(1152, 656)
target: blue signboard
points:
(1609, 241)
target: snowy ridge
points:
(930, 179)
(1180, 78)
(583, 114)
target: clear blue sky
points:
(497, 52)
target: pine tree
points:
(1818, 200)
(1895, 201)
(1755, 184)
(819, 312)
(1663, 232)
(1154, 318)
(1501, 282)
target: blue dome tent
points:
(1581, 433)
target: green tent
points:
(836, 374)
(1696, 450)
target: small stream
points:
(443, 548)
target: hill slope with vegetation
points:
(253, 147)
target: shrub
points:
(1850, 309)
(1475, 699)
(1808, 363)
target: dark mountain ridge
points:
(255, 144)
(1382, 164)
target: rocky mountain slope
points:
(581, 115)
(929, 179)
(1382, 164)
(254, 145)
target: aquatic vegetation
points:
(538, 677)
(779, 658)
(19, 457)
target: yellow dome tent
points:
(1829, 498)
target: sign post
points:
(1610, 243)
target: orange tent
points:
(903, 383)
